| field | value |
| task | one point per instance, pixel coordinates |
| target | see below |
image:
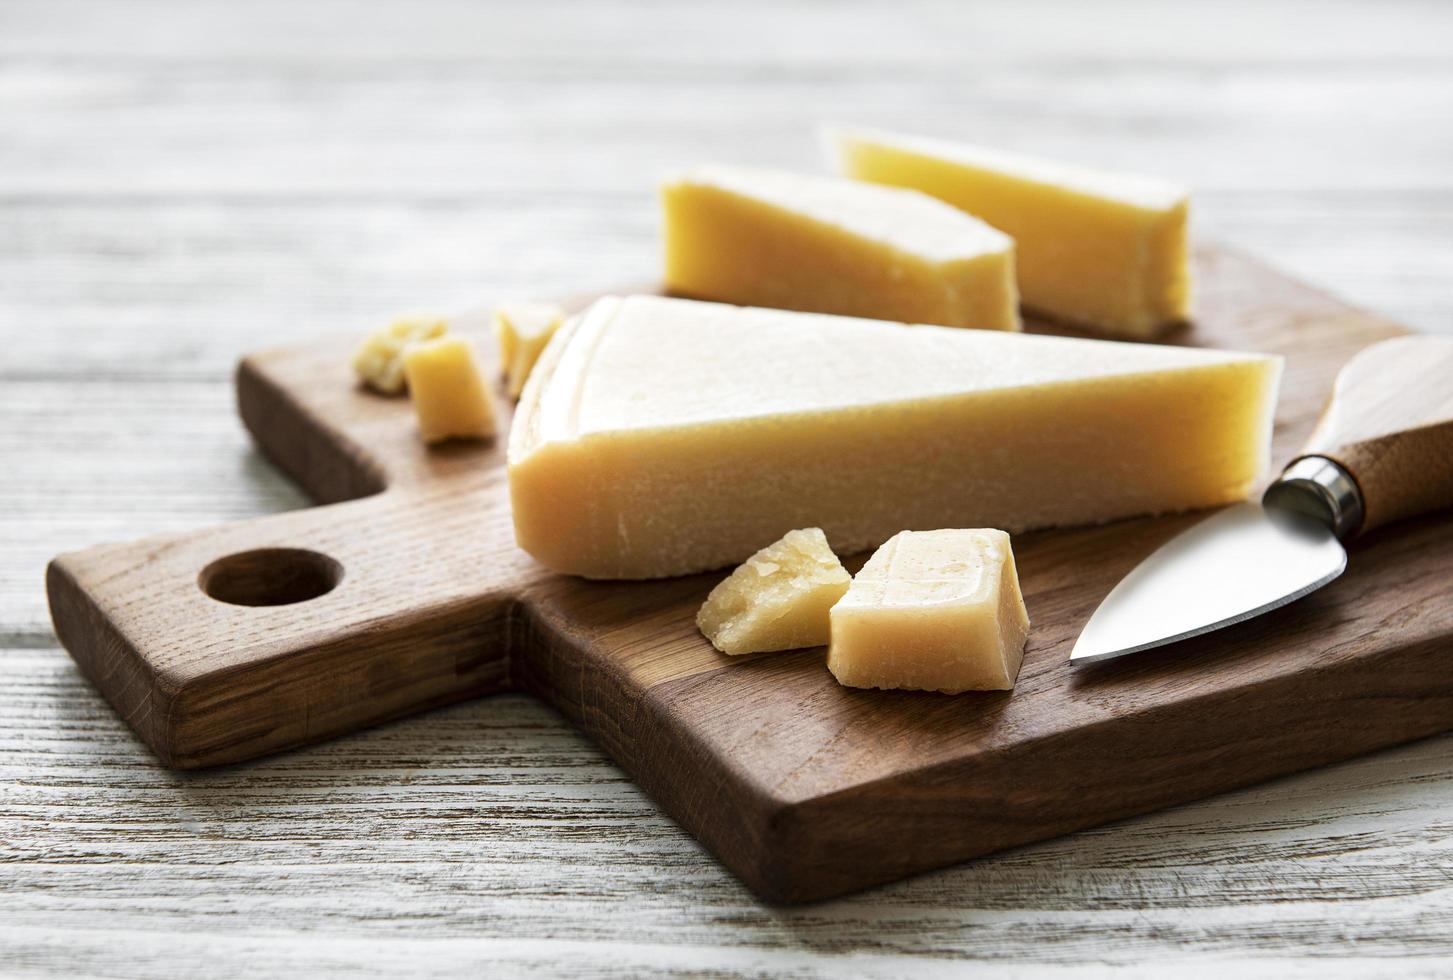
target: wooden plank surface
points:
(184, 182)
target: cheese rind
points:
(379, 360)
(778, 599)
(823, 244)
(664, 436)
(1109, 251)
(932, 611)
(448, 390)
(522, 330)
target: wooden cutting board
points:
(416, 596)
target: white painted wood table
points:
(180, 183)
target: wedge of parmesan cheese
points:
(1106, 250)
(664, 436)
(823, 244)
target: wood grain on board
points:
(803, 788)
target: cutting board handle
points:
(1389, 424)
(222, 643)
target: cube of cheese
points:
(1109, 251)
(778, 599)
(379, 362)
(664, 436)
(450, 398)
(932, 611)
(523, 330)
(797, 242)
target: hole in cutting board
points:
(270, 577)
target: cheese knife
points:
(1382, 452)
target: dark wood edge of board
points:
(110, 661)
(328, 465)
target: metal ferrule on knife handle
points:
(1319, 488)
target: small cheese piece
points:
(778, 599)
(379, 362)
(1106, 250)
(523, 330)
(448, 390)
(664, 436)
(932, 611)
(797, 242)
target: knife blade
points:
(1383, 451)
(1152, 606)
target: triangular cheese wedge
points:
(664, 436)
(1109, 251)
(828, 245)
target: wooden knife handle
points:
(1389, 423)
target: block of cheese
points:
(1108, 251)
(799, 242)
(778, 599)
(448, 390)
(932, 611)
(379, 360)
(663, 436)
(522, 331)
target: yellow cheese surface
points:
(448, 390)
(522, 331)
(932, 611)
(798, 242)
(663, 436)
(379, 360)
(778, 599)
(1108, 251)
